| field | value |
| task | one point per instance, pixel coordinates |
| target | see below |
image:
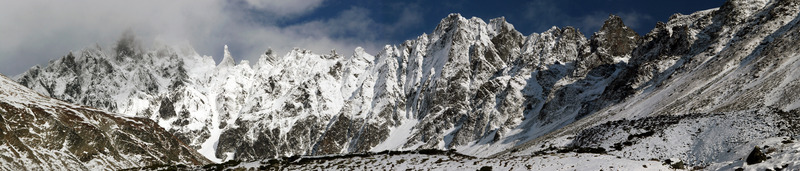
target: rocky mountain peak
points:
(227, 59)
(571, 33)
(614, 38)
(500, 24)
(500, 21)
(452, 17)
(613, 22)
(128, 47)
(735, 11)
(267, 59)
(449, 25)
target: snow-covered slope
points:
(445, 161)
(739, 57)
(41, 133)
(726, 77)
(697, 139)
(476, 87)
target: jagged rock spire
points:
(614, 38)
(227, 59)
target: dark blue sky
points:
(527, 16)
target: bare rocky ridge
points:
(476, 87)
(41, 133)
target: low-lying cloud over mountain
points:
(59, 26)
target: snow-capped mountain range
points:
(483, 89)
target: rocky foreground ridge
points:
(41, 133)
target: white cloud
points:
(592, 22)
(636, 20)
(410, 16)
(38, 30)
(349, 22)
(545, 14)
(35, 31)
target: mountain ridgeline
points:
(475, 87)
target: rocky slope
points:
(731, 67)
(434, 160)
(41, 133)
(480, 88)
